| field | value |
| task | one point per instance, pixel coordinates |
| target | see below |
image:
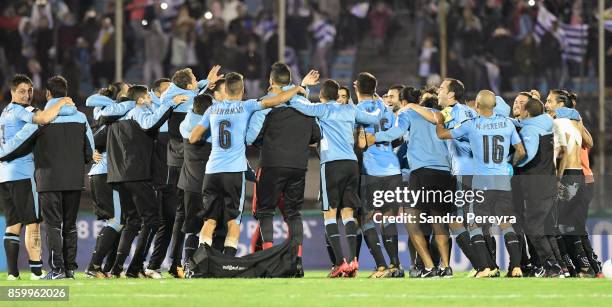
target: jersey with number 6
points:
(490, 139)
(228, 122)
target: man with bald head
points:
(490, 136)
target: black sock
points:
(230, 251)
(433, 250)
(463, 240)
(563, 253)
(413, 253)
(577, 252)
(331, 230)
(330, 250)
(191, 245)
(555, 248)
(481, 253)
(514, 249)
(104, 244)
(112, 255)
(266, 227)
(492, 248)
(371, 238)
(36, 267)
(11, 248)
(359, 240)
(588, 249)
(389, 236)
(350, 228)
(296, 229)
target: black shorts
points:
(102, 196)
(193, 213)
(340, 184)
(274, 182)
(495, 203)
(223, 196)
(383, 183)
(434, 184)
(20, 202)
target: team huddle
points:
(169, 171)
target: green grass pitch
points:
(316, 290)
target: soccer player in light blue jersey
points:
(381, 172)
(225, 170)
(339, 169)
(17, 186)
(490, 137)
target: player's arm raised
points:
(285, 96)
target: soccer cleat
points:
(586, 274)
(69, 274)
(55, 274)
(153, 274)
(188, 271)
(486, 273)
(429, 273)
(130, 274)
(177, 272)
(299, 269)
(353, 269)
(12, 277)
(472, 273)
(339, 271)
(553, 271)
(414, 271)
(38, 277)
(381, 272)
(537, 272)
(495, 273)
(95, 273)
(396, 272)
(447, 272)
(515, 272)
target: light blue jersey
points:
(227, 122)
(424, 149)
(99, 102)
(533, 129)
(501, 107)
(337, 122)
(490, 139)
(155, 104)
(13, 118)
(146, 116)
(117, 109)
(379, 159)
(459, 149)
(173, 91)
(190, 121)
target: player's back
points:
(459, 149)
(337, 132)
(424, 148)
(490, 140)
(228, 125)
(379, 159)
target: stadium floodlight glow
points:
(208, 15)
(144, 22)
(531, 2)
(164, 6)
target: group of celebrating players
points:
(170, 169)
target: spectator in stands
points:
(550, 57)
(324, 34)
(155, 48)
(252, 73)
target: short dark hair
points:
(182, 78)
(430, 102)
(410, 94)
(136, 92)
(234, 83)
(280, 74)
(201, 103)
(397, 87)
(534, 107)
(157, 84)
(456, 87)
(57, 86)
(366, 83)
(218, 84)
(18, 79)
(329, 89)
(564, 96)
